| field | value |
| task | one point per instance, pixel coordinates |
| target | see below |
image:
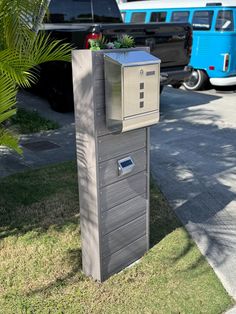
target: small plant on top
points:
(123, 41)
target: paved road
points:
(193, 159)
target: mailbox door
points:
(140, 89)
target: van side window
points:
(158, 17)
(69, 11)
(138, 17)
(180, 16)
(202, 20)
(225, 21)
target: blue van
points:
(214, 34)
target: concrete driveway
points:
(193, 160)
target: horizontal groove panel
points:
(122, 191)
(110, 146)
(121, 237)
(123, 258)
(108, 170)
(123, 214)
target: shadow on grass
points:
(74, 259)
(48, 197)
(38, 199)
(162, 218)
(163, 222)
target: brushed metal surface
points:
(132, 77)
(132, 83)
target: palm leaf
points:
(8, 93)
(21, 50)
(44, 49)
(9, 140)
(17, 17)
(16, 66)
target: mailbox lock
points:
(125, 166)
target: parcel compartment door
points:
(140, 89)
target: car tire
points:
(60, 100)
(197, 80)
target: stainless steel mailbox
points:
(132, 90)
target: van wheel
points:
(197, 80)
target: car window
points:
(158, 17)
(202, 20)
(224, 21)
(69, 11)
(180, 16)
(138, 17)
(106, 11)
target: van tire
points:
(197, 80)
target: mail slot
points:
(132, 90)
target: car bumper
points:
(175, 77)
(223, 81)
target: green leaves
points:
(7, 95)
(9, 140)
(123, 41)
(21, 50)
(126, 41)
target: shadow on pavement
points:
(193, 160)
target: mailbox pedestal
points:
(114, 205)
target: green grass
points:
(40, 257)
(31, 122)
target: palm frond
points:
(7, 139)
(18, 16)
(16, 66)
(44, 49)
(21, 50)
(8, 93)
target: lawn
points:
(40, 256)
(25, 122)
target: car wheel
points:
(59, 100)
(197, 80)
